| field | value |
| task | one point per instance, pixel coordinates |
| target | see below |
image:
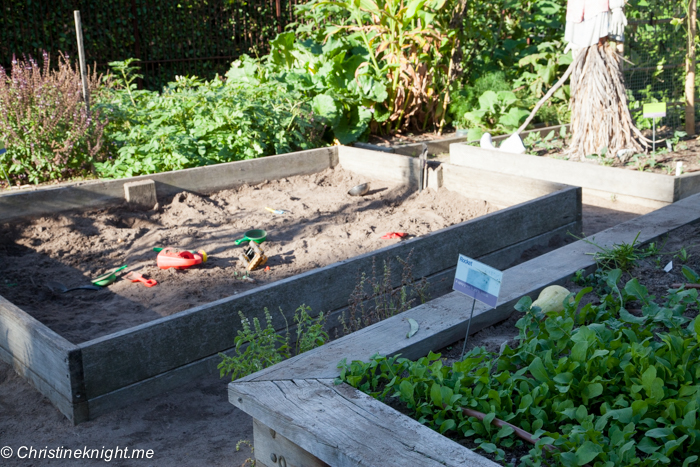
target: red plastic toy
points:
(135, 277)
(173, 258)
(391, 235)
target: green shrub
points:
(193, 123)
(45, 124)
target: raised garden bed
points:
(598, 182)
(307, 415)
(437, 144)
(105, 365)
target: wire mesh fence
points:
(655, 50)
(169, 37)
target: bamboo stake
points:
(546, 97)
(690, 63)
(81, 58)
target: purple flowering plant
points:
(44, 121)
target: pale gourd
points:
(551, 299)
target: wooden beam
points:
(35, 201)
(271, 448)
(41, 356)
(344, 427)
(445, 320)
(642, 185)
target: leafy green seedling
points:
(690, 275)
(682, 255)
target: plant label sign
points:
(655, 110)
(477, 280)
(2, 148)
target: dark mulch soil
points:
(664, 162)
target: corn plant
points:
(409, 45)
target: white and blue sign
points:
(478, 280)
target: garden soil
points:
(192, 425)
(322, 225)
(687, 152)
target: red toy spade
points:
(173, 258)
(134, 277)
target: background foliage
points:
(342, 71)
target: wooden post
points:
(690, 63)
(81, 59)
(137, 40)
(278, 6)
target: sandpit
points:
(322, 225)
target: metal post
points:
(81, 58)
(469, 325)
(653, 138)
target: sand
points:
(322, 225)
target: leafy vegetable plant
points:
(498, 112)
(599, 385)
(194, 123)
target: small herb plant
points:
(258, 348)
(383, 301)
(310, 331)
(536, 144)
(595, 385)
(623, 256)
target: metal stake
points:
(469, 325)
(654, 135)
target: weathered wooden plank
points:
(496, 188)
(207, 179)
(59, 400)
(445, 320)
(344, 427)
(161, 345)
(687, 185)
(273, 448)
(42, 357)
(626, 182)
(380, 165)
(603, 198)
(440, 283)
(36, 347)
